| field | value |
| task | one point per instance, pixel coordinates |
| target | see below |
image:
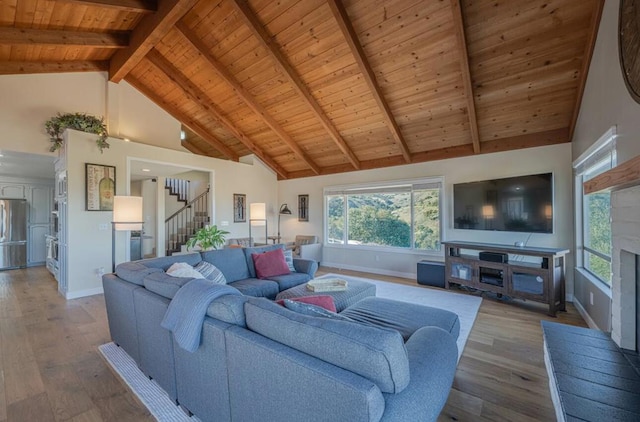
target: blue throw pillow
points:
(313, 310)
(210, 272)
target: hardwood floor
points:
(51, 369)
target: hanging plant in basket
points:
(78, 121)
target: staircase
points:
(178, 188)
(182, 225)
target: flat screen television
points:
(515, 204)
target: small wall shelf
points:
(538, 275)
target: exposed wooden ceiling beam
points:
(246, 96)
(200, 97)
(586, 62)
(16, 68)
(551, 137)
(247, 15)
(15, 36)
(341, 16)
(185, 119)
(458, 23)
(137, 6)
(530, 140)
(151, 29)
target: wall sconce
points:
(127, 215)
(258, 217)
(284, 210)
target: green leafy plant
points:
(78, 121)
(207, 237)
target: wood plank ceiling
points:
(326, 86)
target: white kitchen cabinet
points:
(37, 253)
(40, 204)
(13, 191)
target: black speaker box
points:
(494, 257)
(431, 273)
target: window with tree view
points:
(400, 216)
(594, 238)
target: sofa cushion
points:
(259, 249)
(324, 301)
(165, 285)
(312, 310)
(229, 309)
(210, 272)
(270, 263)
(377, 354)
(231, 262)
(288, 281)
(135, 272)
(165, 262)
(402, 316)
(256, 287)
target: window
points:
(396, 215)
(593, 219)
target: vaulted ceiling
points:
(326, 86)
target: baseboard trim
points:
(83, 293)
(584, 314)
(369, 270)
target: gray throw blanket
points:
(188, 308)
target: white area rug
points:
(465, 306)
(148, 391)
(164, 410)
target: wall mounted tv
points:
(515, 204)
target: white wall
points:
(606, 102)
(30, 100)
(555, 159)
(90, 248)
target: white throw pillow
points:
(182, 269)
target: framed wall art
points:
(100, 181)
(239, 208)
(303, 207)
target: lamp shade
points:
(127, 212)
(258, 213)
(284, 210)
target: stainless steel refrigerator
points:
(13, 233)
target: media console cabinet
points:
(527, 272)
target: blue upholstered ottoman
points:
(356, 291)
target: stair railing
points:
(178, 187)
(183, 224)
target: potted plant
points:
(78, 121)
(207, 237)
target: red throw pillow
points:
(270, 263)
(323, 301)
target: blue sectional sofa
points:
(381, 361)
